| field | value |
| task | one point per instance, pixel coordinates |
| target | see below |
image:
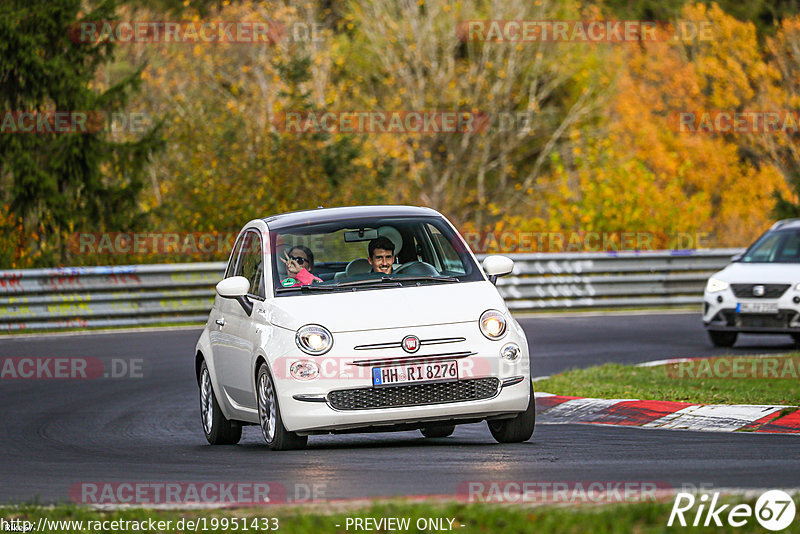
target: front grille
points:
(756, 320)
(414, 394)
(762, 321)
(771, 291)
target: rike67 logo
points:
(774, 510)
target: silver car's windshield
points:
(360, 254)
(781, 246)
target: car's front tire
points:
(269, 416)
(517, 429)
(438, 431)
(722, 339)
(218, 429)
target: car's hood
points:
(754, 273)
(386, 308)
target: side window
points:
(790, 248)
(251, 265)
(449, 257)
(234, 256)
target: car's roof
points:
(324, 215)
(786, 224)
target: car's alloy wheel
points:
(516, 429)
(437, 431)
(722, 339)
(269, 416)
(217, 429)
(266, 407)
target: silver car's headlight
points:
(314, 339)
(493, 324)
(714, 285)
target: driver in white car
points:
(381, 255)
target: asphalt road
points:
(560, 342)
(57, 434)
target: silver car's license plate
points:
(757, 307)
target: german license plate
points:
(757, 307)
(414, 373)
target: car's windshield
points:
(782, 246)
(351, 255)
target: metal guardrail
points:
(89, 297)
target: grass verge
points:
(639, 517)
(719, 380)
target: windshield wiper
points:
(424, 278)
(310, 287)
(382, 280)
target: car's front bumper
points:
(310, 406)
(306, 413)
(720, 314)
(728, 320)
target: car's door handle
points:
(220, 321)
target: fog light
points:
(510, 352)
(796, 300)
(720, 299)
(304, 370)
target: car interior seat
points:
(357, 266)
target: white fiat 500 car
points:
(389, 325)
(759, 293)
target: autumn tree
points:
(412, 55)
(225, 160)
(56, 183)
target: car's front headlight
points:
(493, 324)
(797, 287)
(714, 285)
(314, 339)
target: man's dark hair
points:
(309, 254)
(381, 242)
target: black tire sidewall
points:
(222, 431)
(283, 439)
(517, 429)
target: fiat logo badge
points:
(411, 343)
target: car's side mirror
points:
(495, 266)
(236, 287)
